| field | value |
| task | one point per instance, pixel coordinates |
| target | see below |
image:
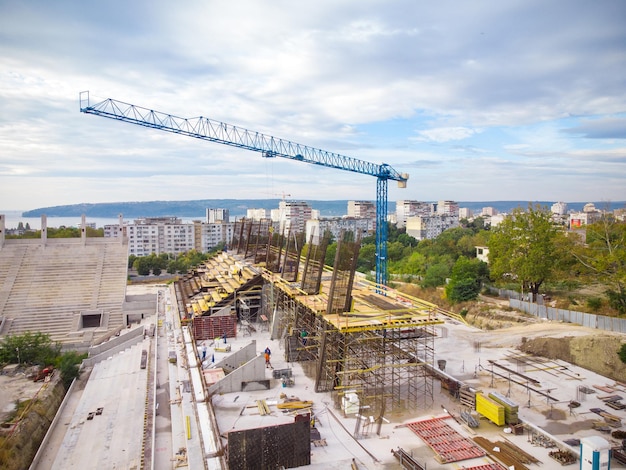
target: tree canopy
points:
(527, 248)
(604, 258)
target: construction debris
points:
(563, 457)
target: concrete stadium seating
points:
(47, 285)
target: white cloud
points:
(446, 134)
(481, 100)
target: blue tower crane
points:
(269, 147)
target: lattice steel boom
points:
(223, 133)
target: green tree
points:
(68, 365)
(367, 258)
(142, 266)
(466, 279)
(604, 258)
(29, 348)
(436, 275)
(528, 248)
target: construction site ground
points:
(467, 352)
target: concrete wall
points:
(236, 359)
(113, 346)
(253, 370)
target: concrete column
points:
(83, 229)
(44, 229)
(2, 229)
(120, 218)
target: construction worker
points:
(268, 353)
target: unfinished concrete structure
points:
(356, 336)
(72, 289)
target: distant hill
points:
(238, 207)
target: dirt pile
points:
(597, 353)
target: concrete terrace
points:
(72, 289)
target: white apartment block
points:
(209, 235)
(258, 214)
(465, 213)
(362, 209)
(448, 207)
(217, 215)
(430, 226)
(157, 235)
(406, 209)
(316, 228)
(292, 216)
(489, 211)
(579, 219)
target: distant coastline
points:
(239, 207)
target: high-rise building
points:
(292, 216)
(157, 235)
(465, 213)
(316, 228)
(362, 209)
(258, 214)
(424, 227)
(406, 209)
(217, 215)
(448, 207)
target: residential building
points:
(209, 235)
(448, 207)
(362, 209)
(482, 253)
(292, 216)
(489, 211)
(159, 235)
(258, 214)
(430, 226)
(217, 215)
(465, 213)
(589, 215)
(316, 228)
(406, 209)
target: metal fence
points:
(589, 320)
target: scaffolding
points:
(357, 340)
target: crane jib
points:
(269, 147)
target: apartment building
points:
(292, 216)
(157, 235)
(362, 209)
(423, 227)
(316, 228)
(406, 209)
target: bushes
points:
(38, 349)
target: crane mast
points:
(270, 147)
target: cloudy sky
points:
(481, 100)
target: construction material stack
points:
(490, 409)
(510, 408)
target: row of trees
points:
(172, 264)
(527, 251)
(61, 232)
